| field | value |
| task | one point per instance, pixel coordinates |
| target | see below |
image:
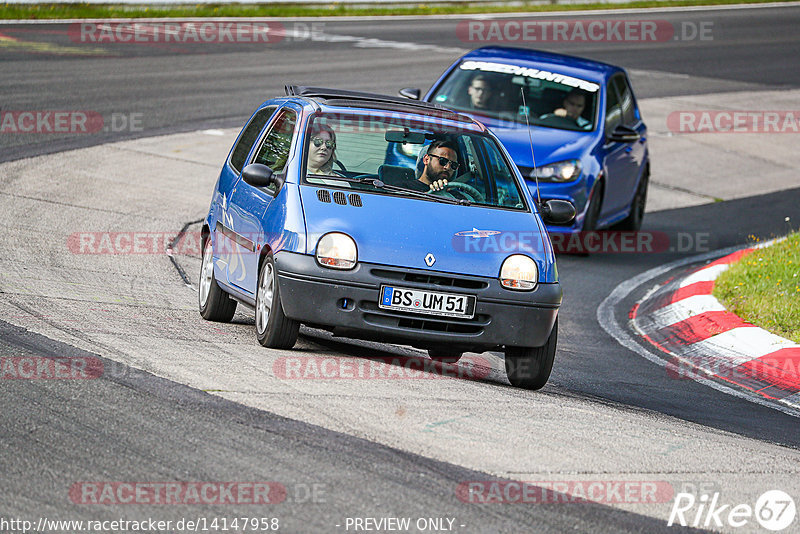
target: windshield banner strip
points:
(516, 70)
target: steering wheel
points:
(466, 190)
(557, 121)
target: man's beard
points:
(435, 176)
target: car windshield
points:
(496, 90)
(386, 155)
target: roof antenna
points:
(530, 138)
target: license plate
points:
(428, 302)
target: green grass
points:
(85, 11)
(764, 288)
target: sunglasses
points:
(328, 143)
(444, 162)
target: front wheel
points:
(529, 367)
(633, 222)
(215, 304)
(273, 328)
(593, 210)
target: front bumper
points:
(346, 302)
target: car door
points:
(248, 204)
(623, 159)
(225, 251)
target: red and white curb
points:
(698, 339)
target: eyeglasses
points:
(328, 143)
(444, 162)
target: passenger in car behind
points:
(480, 93)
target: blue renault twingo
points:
(313, 222)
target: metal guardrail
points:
(351, 3)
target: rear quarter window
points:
(249, 137)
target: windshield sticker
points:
(536, 74)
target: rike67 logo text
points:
(774, 510)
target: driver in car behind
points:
(573, 106)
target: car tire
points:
(593, 210)
(633, 222)
(444, 355)
(215, 304)
(529, 367)
(273, 328)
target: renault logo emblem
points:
(430, 259)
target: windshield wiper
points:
(380, 184)
(417, 194)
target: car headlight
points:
(519, 272)
(562, 171)
(337, 251)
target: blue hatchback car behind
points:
(314, 221)
(589, 140)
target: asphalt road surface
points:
(183, 401)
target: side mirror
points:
(410, 92)
(623, 134)
(557, 211)
(259, 175)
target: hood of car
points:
(419, 234)
(549, 144)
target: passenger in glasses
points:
(321, 150)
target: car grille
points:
(426, 323)
(430, 279)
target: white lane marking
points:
(658, 74)
(707, 274)
(607, 319)
(684, 309)
(371, 42)
(793, 400)
(738, 345)
(213, 132)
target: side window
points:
(476, 175)
(249, 137)
(626, 101)
(274, 152)
(613, 108)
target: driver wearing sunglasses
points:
(441, 163)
